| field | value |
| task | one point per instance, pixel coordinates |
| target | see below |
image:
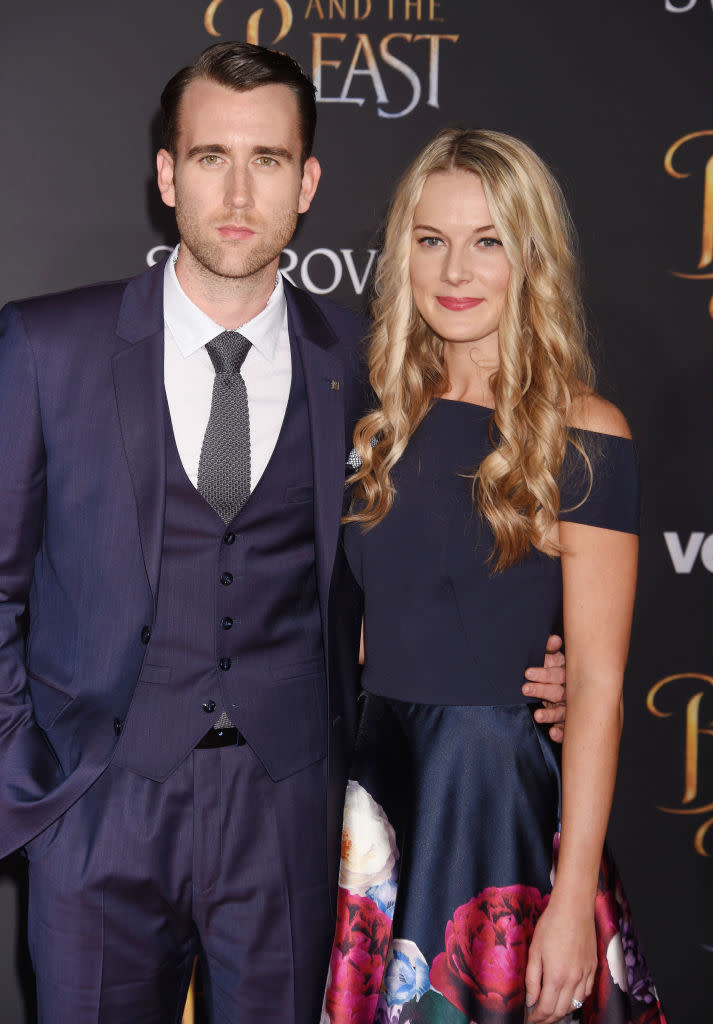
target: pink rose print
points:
(487, 943)
(358, 959)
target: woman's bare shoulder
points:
(592, 412)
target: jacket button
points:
(229, 538)
(226, 622)
(225, 664)
(117, 726)
(226, 578)
(208, 706)
(145, 634)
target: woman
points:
(493, 489)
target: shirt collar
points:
(192, 328)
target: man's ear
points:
(311, 173)
(165, 166)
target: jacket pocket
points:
(48, 701)
(285, 724)
(155, 674)
(299, 492)
(295, 669)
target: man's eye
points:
(210, 159)
(266, 161)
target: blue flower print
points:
(406, 975)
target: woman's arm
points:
(599, 581)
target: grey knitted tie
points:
(224, 466)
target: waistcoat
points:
(237, 623)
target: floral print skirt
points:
(448, 847)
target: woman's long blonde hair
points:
(543, 366)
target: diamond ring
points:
(577, 1004)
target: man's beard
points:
(225, 260)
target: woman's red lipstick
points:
(456, 305)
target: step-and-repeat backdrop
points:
(617, 96)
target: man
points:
(174, 732)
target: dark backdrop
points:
(616, 95)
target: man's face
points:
(236, 181)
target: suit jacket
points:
(82, 473)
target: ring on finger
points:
(577, 1004)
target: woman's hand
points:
(561, 962)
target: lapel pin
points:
(334, 385)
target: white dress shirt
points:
(189, 373)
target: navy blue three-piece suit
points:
(130, 616)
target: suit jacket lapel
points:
(324, 382)
(139, 388)
(140, 397)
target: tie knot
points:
(228, 351)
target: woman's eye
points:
(489, 243)
(430, 241)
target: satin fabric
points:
(449, 852)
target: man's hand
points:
(548, 684)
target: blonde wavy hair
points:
(543, 360)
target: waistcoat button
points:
(208, 706)
(145, 634)
(229, 538)
(225, 664)
(226, 578)
(226, 622)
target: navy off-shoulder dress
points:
(451, 820)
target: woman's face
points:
(459, 270)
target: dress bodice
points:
(440, 626)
